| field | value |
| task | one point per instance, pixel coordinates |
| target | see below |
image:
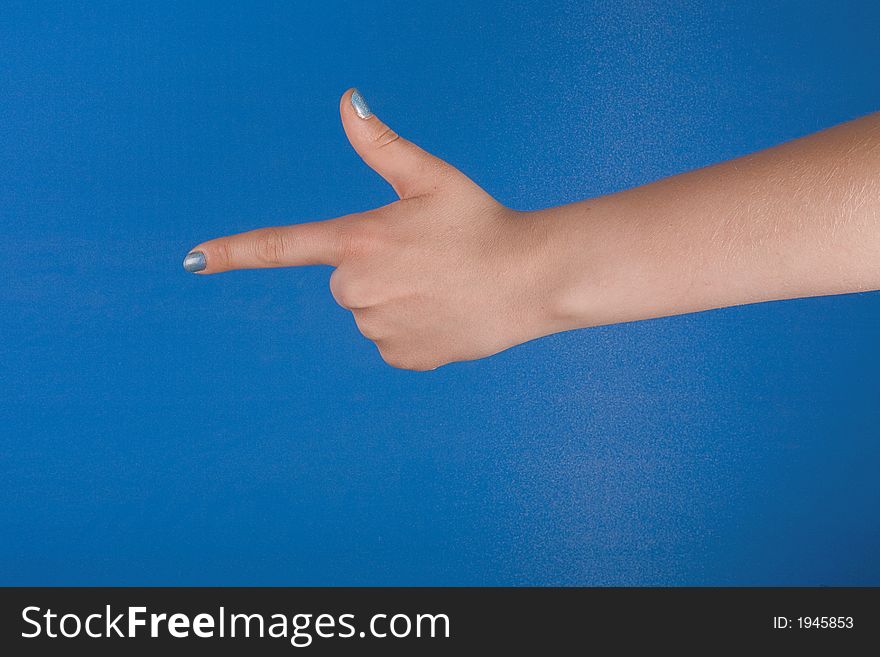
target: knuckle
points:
(404, 361)
(349, 241)
(425, 365)
(269, 246)
(338, 287)
(220, 254)
(355, 240)
(370, 234)
(369, 327)
(394, 360)
(385, 137)
(348, 291)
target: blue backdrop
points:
(164, 428)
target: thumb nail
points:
(360, 105)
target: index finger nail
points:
(195, 261)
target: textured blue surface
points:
(164, 428)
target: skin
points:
(448, 274)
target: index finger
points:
(315, 243)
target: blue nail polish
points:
(194, 261)
(360, 105)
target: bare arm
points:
(446, 273)
(801, 219)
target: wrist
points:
(562, 270)
(604, 266)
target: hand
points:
(444, 274)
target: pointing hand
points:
(443, 274)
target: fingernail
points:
(360, 105)
(194, 261)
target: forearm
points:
(447, 273)
(800, 219)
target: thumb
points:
(407, 168)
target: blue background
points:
(164, 428)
